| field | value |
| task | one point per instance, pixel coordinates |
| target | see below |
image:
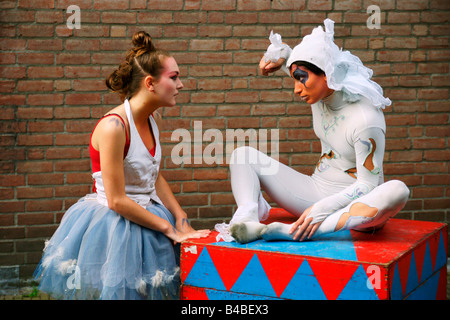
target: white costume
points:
(351, 127)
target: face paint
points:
(309, 86)
(301, 76)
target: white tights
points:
(295, 192)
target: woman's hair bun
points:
(141, 60)
(142, 42)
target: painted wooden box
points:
(404, 260)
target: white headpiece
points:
(344, 71)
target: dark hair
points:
(142, 60)
(313, 68)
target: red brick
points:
(35, 140)
(225, 5)
(34, 192)
(45, 179)
(111, 5)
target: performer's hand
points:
(303, 228)
(269, 67)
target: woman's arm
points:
(165, 193)
(170, 202)
(369, 150)
(276, 56)
(111, 142)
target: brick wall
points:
(52, 93)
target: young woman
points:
(347, 189)
(119, 242)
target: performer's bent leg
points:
(371, 211)
(367, 213)
(252, 170)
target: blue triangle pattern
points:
(427, 268)
(204, 274)
(337, 245)
(441, 258)
(413, 279)
(228, 295)
(396, 286)
(426, 291)
(358, 287)
(304, 285)
(254, 280)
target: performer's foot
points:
(359, 214)
(277, 231)
(246, 232)
(246, 213)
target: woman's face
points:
(169, 83)
(309, 86)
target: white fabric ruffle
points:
(344, 71)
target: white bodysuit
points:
(349, 170)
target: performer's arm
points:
(369, 149)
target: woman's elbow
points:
(115, 203)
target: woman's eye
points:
(300, 75)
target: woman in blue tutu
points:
(120, 242)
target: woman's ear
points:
(149, 83)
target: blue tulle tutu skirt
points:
(97, 254)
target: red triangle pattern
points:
(279, 270)
(419, 254)
(332, 284)
(403, 269)
(442, 285)
(434, 245)
(229, 263)
(193, 293)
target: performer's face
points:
(309, 86)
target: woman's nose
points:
(180, 85)
(298, 88)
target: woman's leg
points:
(252, 170)
(370, 212)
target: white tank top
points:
(140, 167)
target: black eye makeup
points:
(300, 75)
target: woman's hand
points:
(303, 227)
(270, 67)
(183, 225)
(178, 236)
(183, 231)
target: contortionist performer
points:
(347, 189)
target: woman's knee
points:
(398, 191)
(243, 155)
